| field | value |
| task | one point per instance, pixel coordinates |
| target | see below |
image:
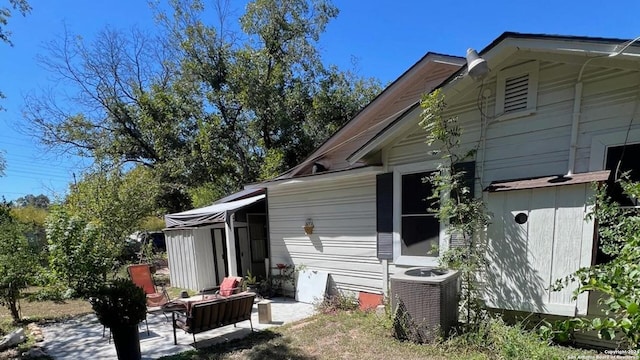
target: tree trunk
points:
(13, 308)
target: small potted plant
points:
(251, 281)
(121, 306)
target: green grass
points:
(335, 334)
(359, 335)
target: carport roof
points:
(209, 214)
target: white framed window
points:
(517, 91)
(418, 236)
(600, 143)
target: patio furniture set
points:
(212, 308)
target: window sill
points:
(515, 115)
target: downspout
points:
(577, 103)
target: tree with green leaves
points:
(274, 99)
(207, 109)
(115, 203)
(79, 259)
(88, 233)
(32, 220)
(40, 201)
(464, 215)
(18, 263)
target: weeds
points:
(338, 302)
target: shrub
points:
(79, 258)
(18, 263)
(120, 303)
(338, 302)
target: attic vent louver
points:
(517, 90)
(515, 93)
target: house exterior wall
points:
(533, 146)
(343, 242)
(190, 257)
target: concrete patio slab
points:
(81, 338)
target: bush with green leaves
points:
(119, 303)
(18, 263)
(78, 257)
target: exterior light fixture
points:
(477, 67)
(308, 227)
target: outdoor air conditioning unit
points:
(429, 298)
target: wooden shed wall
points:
(525, 260)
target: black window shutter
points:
(384, 216)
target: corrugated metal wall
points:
(190, 254)
(181, 255)
(343, 242)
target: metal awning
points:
(215, 213)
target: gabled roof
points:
(496, 52)
(391, 103)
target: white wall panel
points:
(343, 242)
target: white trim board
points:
(600, 143)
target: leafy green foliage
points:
(119, 303)
(616, 281)
(33, 219)
(204, 108)
(18, 262)
(464, 215)
(502, 341)
(87, 234)
(78, 256)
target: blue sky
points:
(384, 37)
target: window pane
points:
(419, 235)
(415, 193)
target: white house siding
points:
(608, 105)
(188, 270)
(538, 145)
(343, 242)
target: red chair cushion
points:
(228, 286)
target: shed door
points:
(536, 237)
(258, 240)
(243, 251)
